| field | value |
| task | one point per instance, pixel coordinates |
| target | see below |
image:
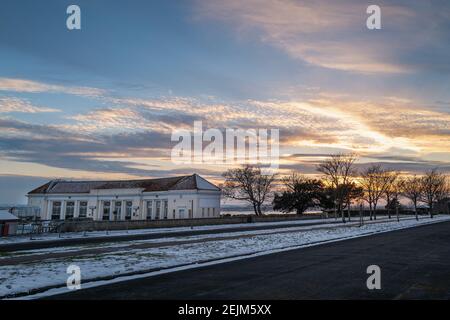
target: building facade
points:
(8, 223)
(150, 199)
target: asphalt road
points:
(415, 264)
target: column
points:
(76, 213)
(62, 213)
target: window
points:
(181, 213)
(190, 213)
(203, 212)
(158, 209)
(214, 212)
(83, 209)
(208, 212)
(70, 209)
(166, 211)
(117, 210)
(56, 210)
(149, 209)
(128, 210)
(106, 210)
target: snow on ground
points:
(231, 212)
(24, 277)
(119, 245)
(92, 234)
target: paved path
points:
(415, 264)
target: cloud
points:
(397, 119)
(12, 104)
(133, 135)
(108, 119)
(409, 167)
(53, 146)
(307, 163)
(333, 34)
(29, 86)
(325, 120)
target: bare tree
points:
(338, 171)
(391, 191)
(412, 189)
(353, 193)
(434, 187)
(248, 184)
(374, 181)
(443, 195)
(444, 191)
(396, 192)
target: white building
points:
(8, 223)
(166, 198)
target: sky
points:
(103, 101)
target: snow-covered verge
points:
(95, 234)
(23, 278)
(77, 249)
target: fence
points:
(39, 227)
(78, 226)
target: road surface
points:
(415, 264)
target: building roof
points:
(192, 182)
(7, 216)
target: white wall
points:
(194, 203)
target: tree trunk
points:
(397, 211)
(374, 212)
(361, 218)
(255, 209)
(388, 207)
(348, 212)
(431, 210)
(415, 211)
(259, 209)
(370, 211)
